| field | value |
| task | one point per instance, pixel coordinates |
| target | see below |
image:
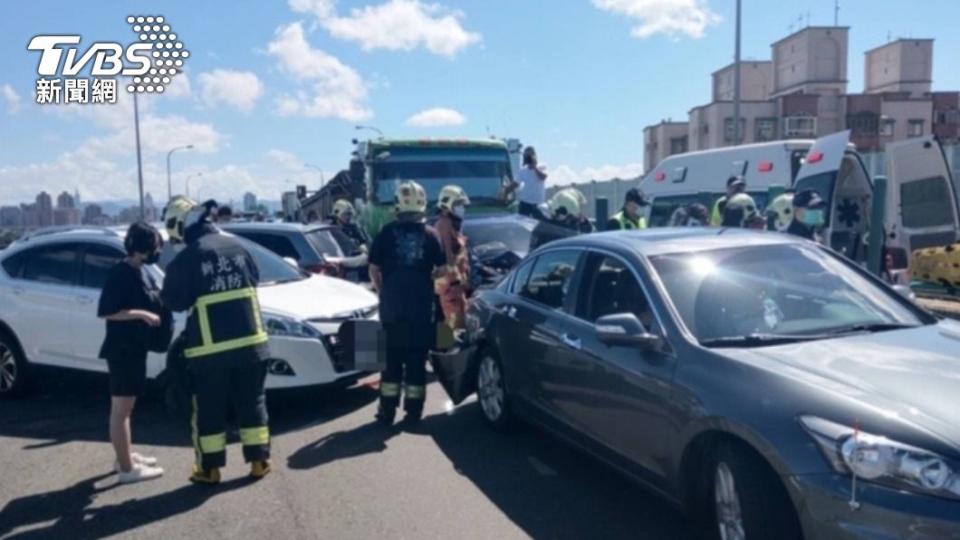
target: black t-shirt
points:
(126, 288)
(407, 253)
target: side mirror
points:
(626, 330)
(905, 291)
(292, 262)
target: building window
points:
(948, 117)
(800, 126)
(766, 129)
(864, 125)
(915, 128)
(886, 127)
(678, 145)
(728, 129)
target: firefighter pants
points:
(220, 382)
(407, 364)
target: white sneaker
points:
(137, 459)
(139, 473)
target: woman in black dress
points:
(130, 305)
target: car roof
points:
(284, 227)
(661, 241)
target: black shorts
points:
(128, 374)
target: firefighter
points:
(780, 210)
(566, 218)
(740, 211)
(451, 285)
(403, 260)
(629, 216)
(343, 214)
(809, 215)
(173, 218)
(735, 185)
(225, 343)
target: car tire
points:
(492, 391)
(745, 499)
(14, 371)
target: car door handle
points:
(571, 341)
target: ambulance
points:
(921, 210)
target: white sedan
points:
(50, 285)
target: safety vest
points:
(625, 223)
(716, 217)
(212, 326)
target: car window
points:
(348, 247)
(324, 242)
(13, 264)
(272, 268)
(55, 264)
(610, 288)
(522, 275)
(279, 244)
(97, 262)
(926, 203)
(791, 290)
(550, 278)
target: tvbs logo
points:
(147, 65)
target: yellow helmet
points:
(450, 196)
(410, 197)
(570, 200)
(342, 206)
(175, 216)
(782, 207)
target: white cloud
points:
(674, 18)
(179, 87)
(239, 89)
(284, 159)
(11, 97)
(332, 89)
(437, 117)
(395, 25)
(565, 174)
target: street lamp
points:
(323, 179)
(170, 153)
(371, 128)
(186, 182)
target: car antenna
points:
(854, 504)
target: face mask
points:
(813, 218)
(153, 258)
(459, 211)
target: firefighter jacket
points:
(215, 278)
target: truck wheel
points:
(14, 376)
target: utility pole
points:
(136, 126)
(736, 82)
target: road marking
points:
(542, 468)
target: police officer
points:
(565, 218)
(629, 216)
(225, 343)
(735, 185)
(451, 285)
(740, 211)
(343, 214)
(809, 215)
(403, 260)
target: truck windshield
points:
(481, 179)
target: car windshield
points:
(514, 234)
(273, 269)
(323, 241)
(770, 294)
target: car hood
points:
(913, 374)
(316, 297)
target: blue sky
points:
(276, 84)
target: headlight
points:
(278, 325)
(878, 459)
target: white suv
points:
(50, 284)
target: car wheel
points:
(748, 500)
(13, 368)
(492, 392)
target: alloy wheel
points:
(727, 501)
(8, 369)
(490, 389)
